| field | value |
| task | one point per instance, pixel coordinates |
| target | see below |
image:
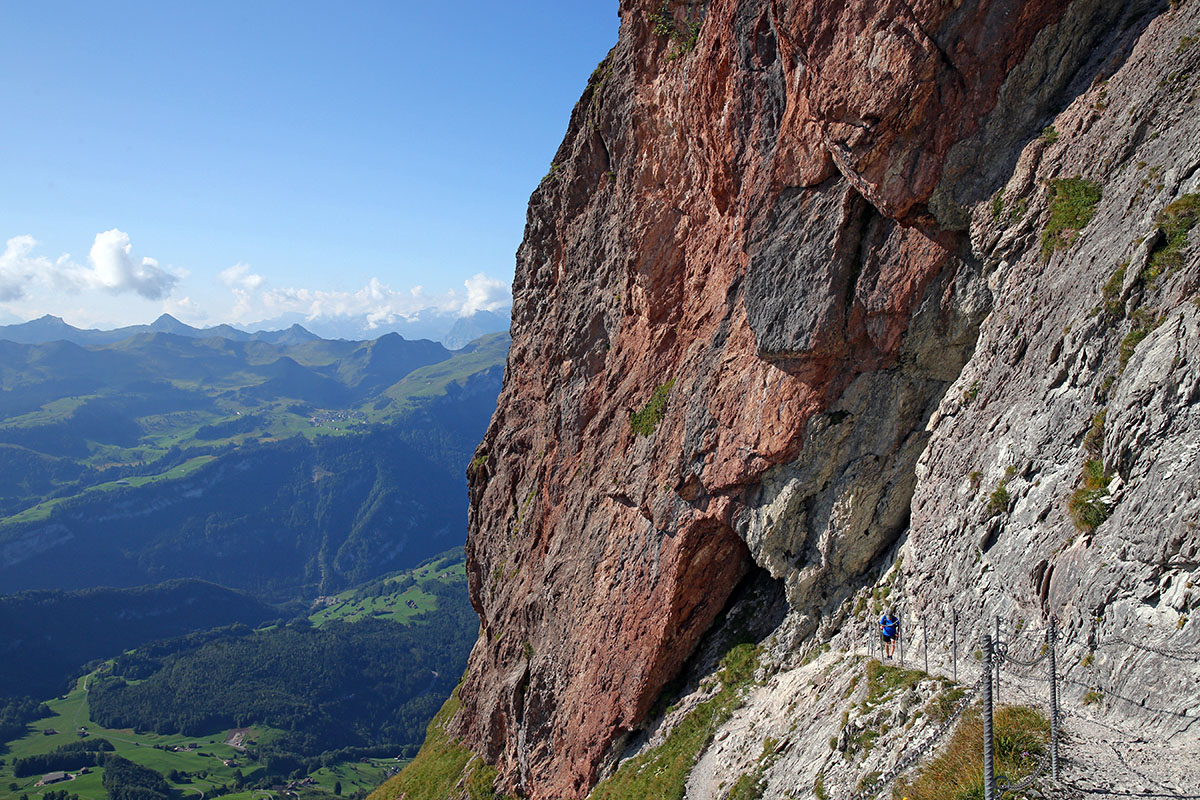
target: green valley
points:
(289, 468)
(232, 564)
(240, 711)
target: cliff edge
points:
(822, 298)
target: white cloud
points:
(186, 309)
(116, 284)
(15, 267)
(19, 268)
(244, 284)
(377, 302)
(115, 269)
(240, 276)
(485, 294)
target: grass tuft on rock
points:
(645, 420)
(1176, 222)
(1093, 440)
(1021, 735)
(943, 704)
(662, 772)
(1143, 323)
(1111, 291)
(1072, 206)
(885, 682)
(999, 499)
(997, 205)
(1089, 502)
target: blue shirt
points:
(889, 625)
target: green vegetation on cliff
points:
(443, 768)
(1175, 222)
(1072, 204)
(1089, 503)
(646, 419)
(662, 772)
(1022, 735)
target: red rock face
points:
(746, 223)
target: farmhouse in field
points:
(53, 777)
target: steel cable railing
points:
(1002, 654)
(1039, 771)
(1108, 692)
(1182, 655)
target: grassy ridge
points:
(443, 767)
(395, 592)
(43, 510)
(436, 379)
(662, 772)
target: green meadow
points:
(204, 763)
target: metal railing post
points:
(997, 661)
(954, 645)
(900, 636)
(989, 766)
(1053, 637)
(925, 643)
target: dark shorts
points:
(888, 639)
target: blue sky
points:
(230, 161)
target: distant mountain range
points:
(451, 330)
(223, 480)
(448, 328)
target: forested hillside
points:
(369, 684)
(49, 635)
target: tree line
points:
(125, 780)
(16, 713)
(65, 758)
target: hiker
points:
(889, 629)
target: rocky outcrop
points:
(786, 299)
(1087, 364)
